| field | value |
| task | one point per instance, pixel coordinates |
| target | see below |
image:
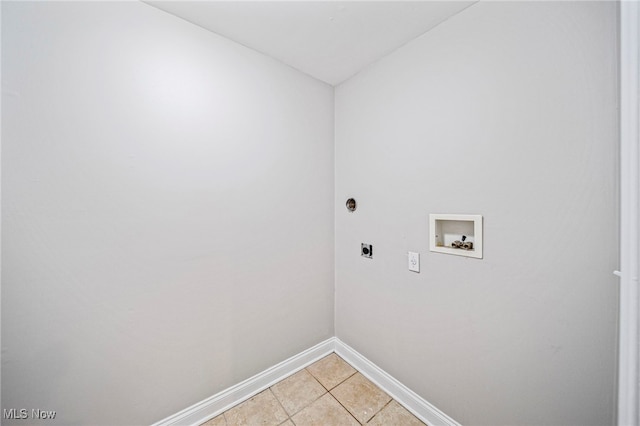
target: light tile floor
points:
(328, 392)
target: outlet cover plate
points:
(414, 261)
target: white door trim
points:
(628, 363)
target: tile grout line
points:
(356, 372)
(281, 406)
(380, 411)
(338, 384)
(326, 391)
(347, 378)
(340, 358)
(342, 405)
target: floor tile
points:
(297, 391)
(331, 371)
(362, 398)
(216, 421)
(325, 411)
(262, 409)
(394, 414)
(302, 400)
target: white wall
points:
(167, 212)
(506, 110)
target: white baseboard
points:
(222, 401)
(421, 408)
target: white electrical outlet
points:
(414, 261)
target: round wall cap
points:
(351, 204)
